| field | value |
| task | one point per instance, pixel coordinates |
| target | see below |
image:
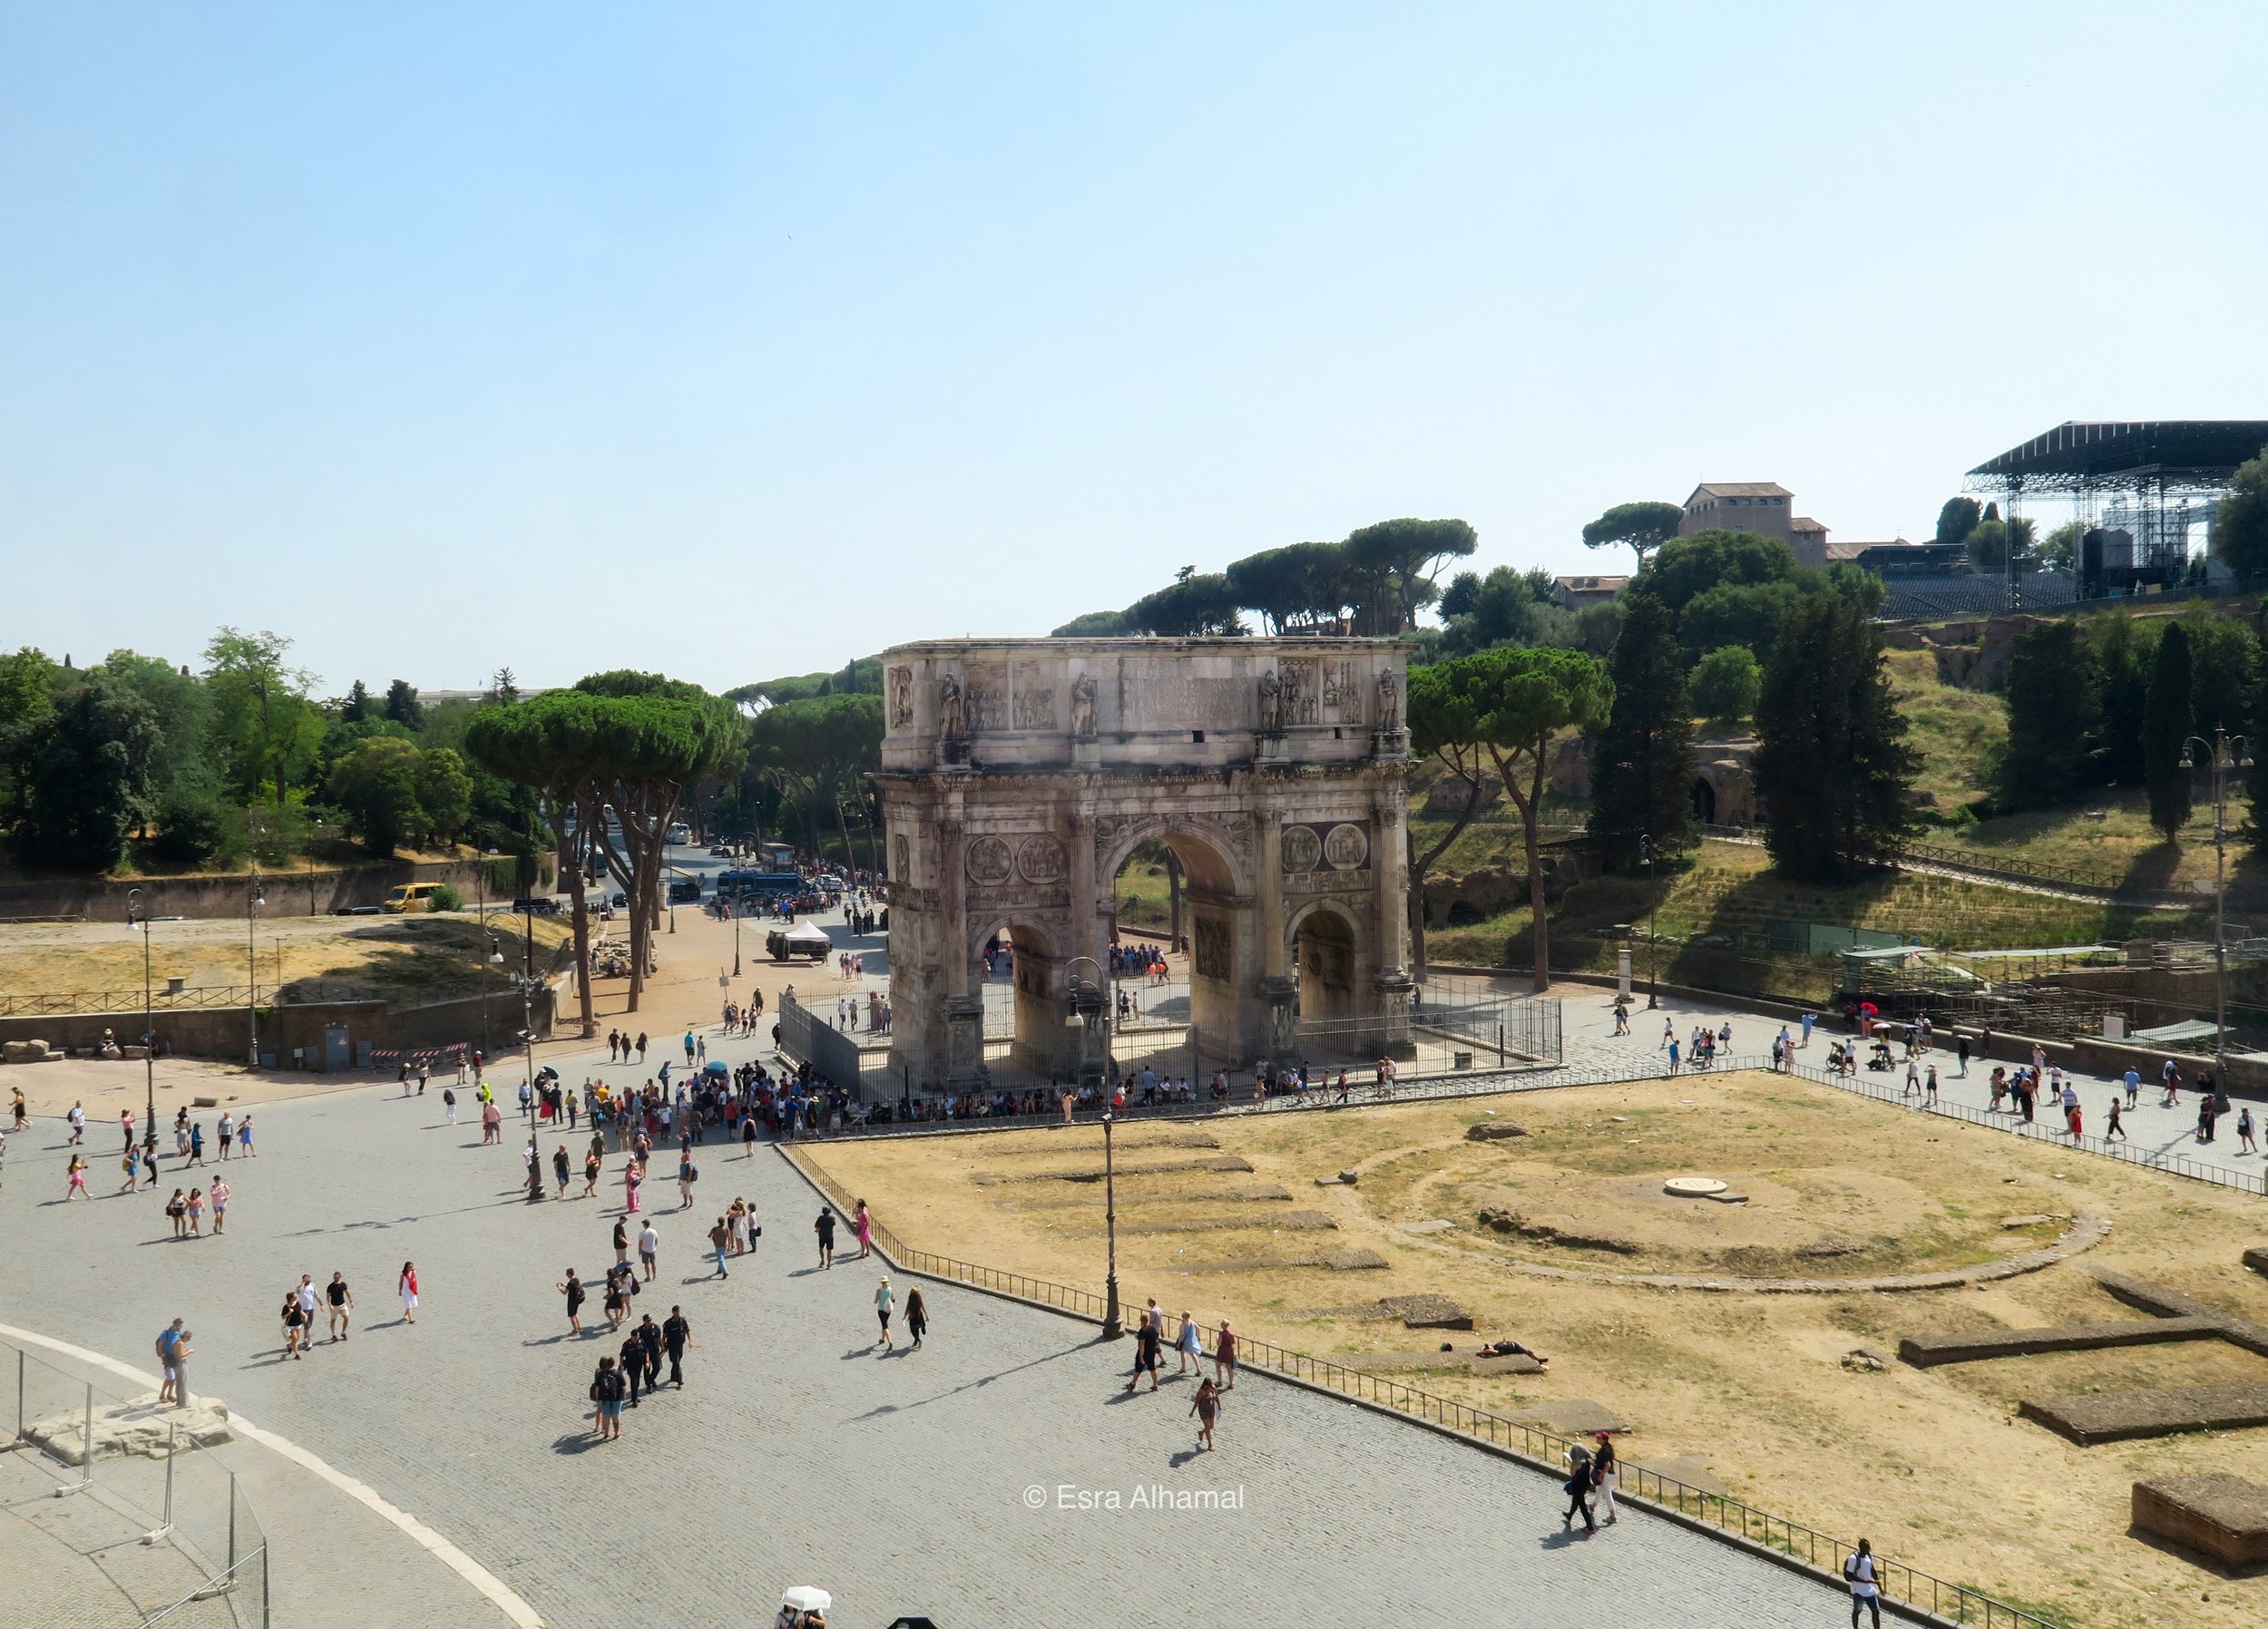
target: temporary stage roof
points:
(2172, 452)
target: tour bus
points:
(779, 856)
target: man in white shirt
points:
(309, 1298)
(1859, 1569)
(77, 1117)
(649, 1247)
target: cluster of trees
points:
(236, 761)
(633, 743)
(2110, 700)
(1726, 625)
(1990, 539)
(1375, 580)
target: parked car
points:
(720, 852)
(409, 897)
(358, 910)
(620, 901)
(541, 905)
(685, 891)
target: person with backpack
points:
(606, 1394)
(1864, 1573)
(1577, 1488)
(1603, 1466)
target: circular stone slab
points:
(1692, 1187)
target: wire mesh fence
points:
(155, 1515)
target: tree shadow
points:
(2152, 870)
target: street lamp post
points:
(1646, 847)
(1113, 1323)
(2224, 752)
(149, 1026)
(252, 903)
(527, 1041)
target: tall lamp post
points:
(1646, 847)
(2224, 752)
(527, 1041)
(149, 1026)
(1113, 1322)
(252, 903)
(1087, 1006)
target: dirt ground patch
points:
(1933, 1465)
(401, 959)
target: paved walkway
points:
(797, 1453)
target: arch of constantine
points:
(1019, 775)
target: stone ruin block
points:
(2221, 1518)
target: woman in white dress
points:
(409, 1291)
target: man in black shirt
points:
(824, 1228)
(342, 1301)
(634, 1366)
(649, 1338)
(676, 1336)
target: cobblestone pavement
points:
(796, 1453)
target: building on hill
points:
(1764, 507)
(1574, 593)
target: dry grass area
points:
(401, 959)
(1931, 1464)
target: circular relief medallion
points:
(1041, 860)
(1347, 847)
(988, 861)
(1302, 848)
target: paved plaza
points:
(795, 1453)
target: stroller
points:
(1880, 1058)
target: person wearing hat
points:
(883, 1300)
(1602, 1475)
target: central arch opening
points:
(1021, 979)
(1177, 966)
(1324, 956)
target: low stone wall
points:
(223, 1033)
(2087, 1418)
(1969, 1346)
(289, 893)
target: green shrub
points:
(1726, 683)
(446, 898)
(192, 827)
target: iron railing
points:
(1532, 1445)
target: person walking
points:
(1577, 1488)
(2117, 1127)
(309, 1299)
(650, 1337)
(196, 1213)
(295, 1322)
(561, 1168)
(606, 1397)
(1862, 1574)
(448, 1103)
(1603, 1465)
(916, 1317)
(1225, 1357)
(220, 1196)
(76, 1176)
(342, 1300)
(197, 1143)
(177, 1212)
(244, 1137)
(885, 1300)
(573, 1290)
(824, 1228)
(1929, 1088)
(649, 1249)
(408, 1288)
(621, 1241)
(77, 1117)
(677, 1334)
(591, 1166)
(2133, 1084)
(634, 1375)
(1147, 1357)
(687, 1174)
(1206, 1408)
(862, 1225)
(632, 1178)
(1961, 1050)
(720, 1243)
(2244, 1131)
(1188, 1346)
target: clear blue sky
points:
(735, 340)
